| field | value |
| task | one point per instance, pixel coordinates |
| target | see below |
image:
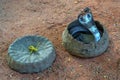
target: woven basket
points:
(81, 49)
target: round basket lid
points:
(30, 54)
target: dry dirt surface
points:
(49, 18)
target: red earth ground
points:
(49, 18)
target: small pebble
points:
(69, 59)
(80, 65)
(75, 2)
(38, 78)
(105, 76)
(109, 59)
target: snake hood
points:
(86, 20)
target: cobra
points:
(86, 20)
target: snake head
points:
(85, 16)
(86, 20)
(87, 10)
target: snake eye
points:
(89, 15)
(82, 19)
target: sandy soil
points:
(49, 18)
